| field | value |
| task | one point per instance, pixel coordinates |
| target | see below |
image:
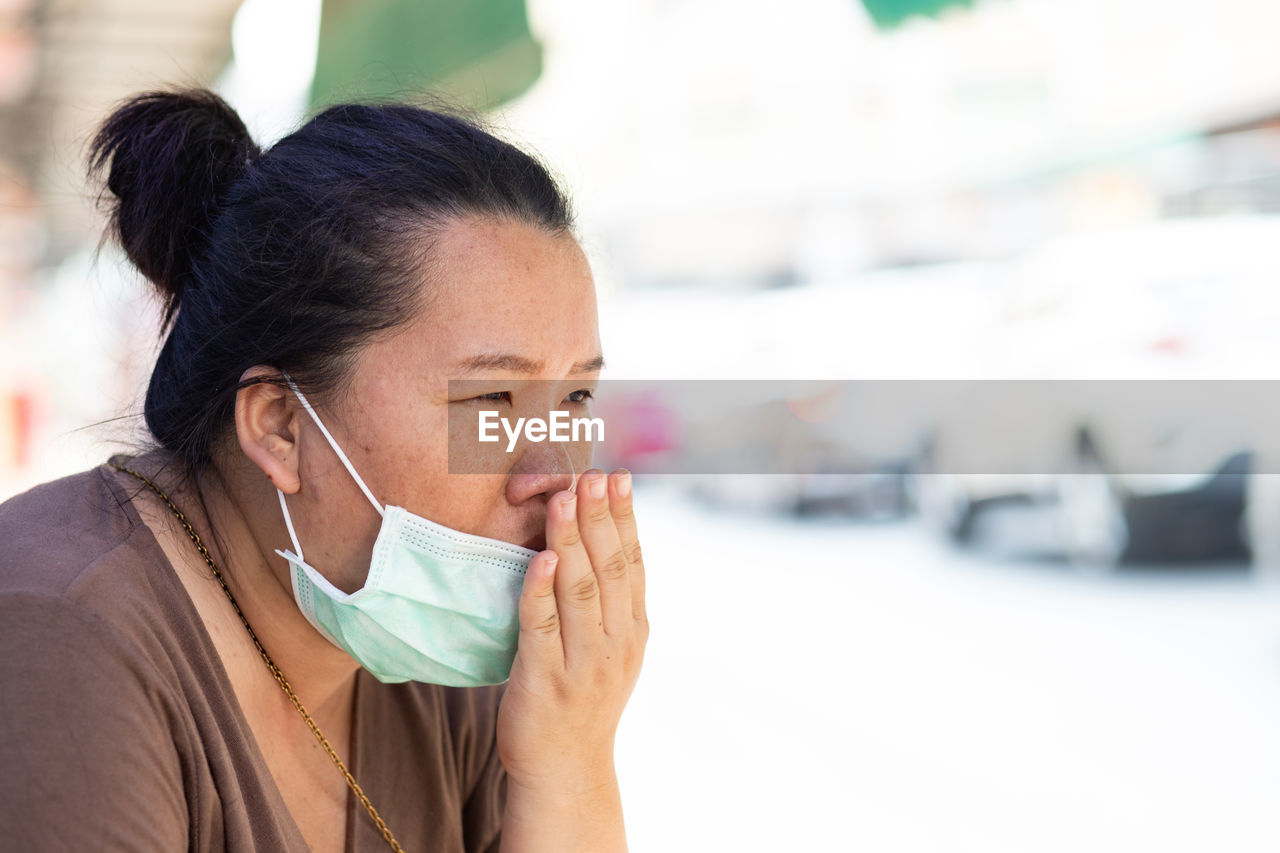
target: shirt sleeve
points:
(483, 807)
(89, 760)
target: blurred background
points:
(904, 659)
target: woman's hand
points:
(583, 630)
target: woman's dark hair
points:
(295, 256)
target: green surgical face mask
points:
(439, 605)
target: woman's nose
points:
(545, 475)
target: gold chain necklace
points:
(275, 670)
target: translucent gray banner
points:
(1167, 427)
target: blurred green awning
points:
(479, 52)
(890, 13)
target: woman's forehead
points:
(505, 298)
(506, 270)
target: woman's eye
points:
(582, 395)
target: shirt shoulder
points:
(107, 674)
(79, 539)
(52, 534)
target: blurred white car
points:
(792, 348)
(1186, 299)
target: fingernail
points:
(596, 485)
(624, 483)
(549, 564)
(567, 506)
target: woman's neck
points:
(233, 512)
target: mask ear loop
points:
(288, 522)
(336, 449)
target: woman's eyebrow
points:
(519, 364)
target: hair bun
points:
(169, 158)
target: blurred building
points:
(62, 64)
(761, 144)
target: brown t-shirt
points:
(119, 729)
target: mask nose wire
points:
(573, 473)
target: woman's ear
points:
(267, 427)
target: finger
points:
(540, 644)
(624, 521)
(577, 591)
(600, 536)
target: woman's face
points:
(508, 303)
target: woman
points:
(290, 626)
